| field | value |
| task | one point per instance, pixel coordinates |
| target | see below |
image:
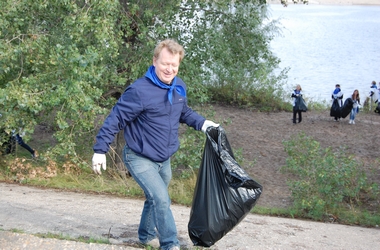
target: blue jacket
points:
(149, 121)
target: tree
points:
(64, 59)
(67, 61)
(285, 2)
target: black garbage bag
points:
(335, 109)
(224, 193)
(300, 104)
(347, 107)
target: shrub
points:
(324, 179)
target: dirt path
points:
(33, 210)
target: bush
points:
(325, 180)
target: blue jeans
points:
(353, 113)
(153, 178)
(21, 142)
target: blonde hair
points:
(172, 46)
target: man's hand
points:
(207, 124)
(98, 161)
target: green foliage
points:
(188, 157)
(285, 2)
(317, 105)
(69, 60)
(56, 57)
(234, 58)
(324, 180)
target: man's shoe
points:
(35, 154)
(175, 248)
(353, 122)
(350, 122)
(153, 243)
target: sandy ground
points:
(33, 210)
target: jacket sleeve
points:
(191, 118)
(127, 108)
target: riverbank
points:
(259, 135)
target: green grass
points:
(66, 237)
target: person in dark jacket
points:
(297, 93)
(21, 142)
(337, 97)
(150, 112)
(15, 136)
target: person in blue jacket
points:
(337, 96)
(150, 112)
(373, 94)
(296, 93)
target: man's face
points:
(166, 65)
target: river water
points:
(328, 44)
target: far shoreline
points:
(332, 2)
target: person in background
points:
(373, 88)
(373, 94)
(21, 142)
(337, 94)
(150, 112)
(355, 108)
(17, 136)
(296, 93)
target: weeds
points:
(327, 184)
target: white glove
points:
(207, 124)
(98, 161)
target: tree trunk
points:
(117, 155)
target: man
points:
(337, 96)
(150, 112)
